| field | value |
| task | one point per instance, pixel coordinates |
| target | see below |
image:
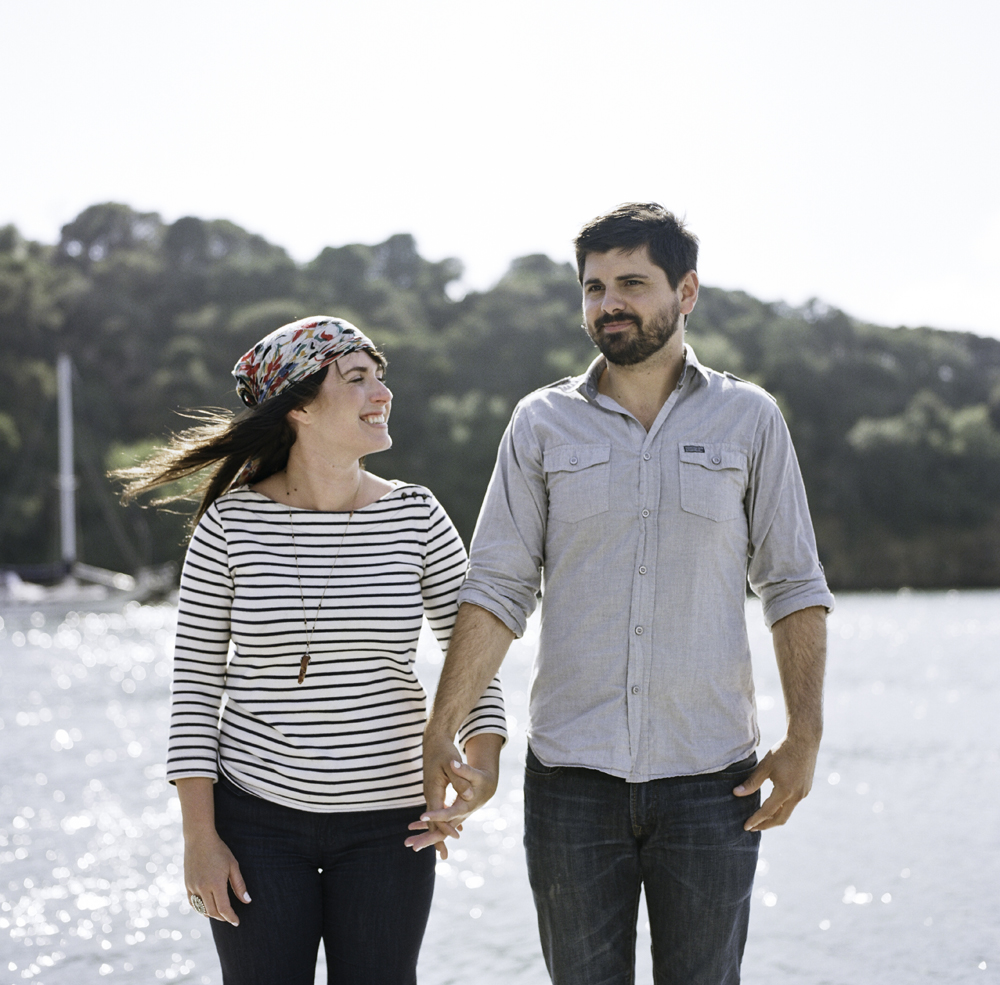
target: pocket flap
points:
(572, 458)
(713, 456)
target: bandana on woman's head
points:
(293, 352)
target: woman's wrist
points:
(482, 751)
(197, 797)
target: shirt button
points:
(645, 512)
(573, 460)
(638, 630)
(716, 460)
(636, 689)
(642, 569)
(645, 457)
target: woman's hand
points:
(435, 834)
(474, 783)
(209, 866)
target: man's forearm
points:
(479, 642)
(800, 649)
(478, 645)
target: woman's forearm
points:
(482, 751)
(197, 797)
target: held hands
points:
(473, 782)
(208, 866)
(789, 766)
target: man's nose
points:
(612, 301)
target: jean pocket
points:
(534, 765)
(578, 479)
(713, 479)
(741, 769)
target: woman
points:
(317, 572)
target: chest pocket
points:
(578, 478)
(713, 479)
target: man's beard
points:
(628, 347)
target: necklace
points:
(304, 663)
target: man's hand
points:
(789, 766)
(800, 649)
(439, 753)
(478, 644)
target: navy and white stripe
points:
(349, 737)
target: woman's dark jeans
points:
(593, 840)
(344, 877)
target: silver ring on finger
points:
(198, 904)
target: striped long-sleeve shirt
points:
(348, 737)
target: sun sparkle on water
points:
(869, 880)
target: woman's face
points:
(350, 414)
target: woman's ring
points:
(199, 904)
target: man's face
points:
(629, 307)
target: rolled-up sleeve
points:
(508, 545)
(784, 568)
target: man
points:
(647, 491)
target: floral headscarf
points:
(287, 355)
(293, 352)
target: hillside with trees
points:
(897, 429)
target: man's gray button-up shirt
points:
(646, 541)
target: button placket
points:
(649, 482)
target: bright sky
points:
(848, 150)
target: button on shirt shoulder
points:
(646, 541)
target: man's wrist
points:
(805, 733)
(436, 734)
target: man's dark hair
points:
(636, 224)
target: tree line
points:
(897, 429)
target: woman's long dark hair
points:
(222, 444)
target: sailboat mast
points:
(67, 478)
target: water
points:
(888, 872)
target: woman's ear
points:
(298, 416)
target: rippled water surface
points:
(889, 872)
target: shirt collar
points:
(692, 365)
(587, 384)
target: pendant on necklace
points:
(302, 668)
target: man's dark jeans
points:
(593, 840)
(345, 877)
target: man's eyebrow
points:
(599, 280)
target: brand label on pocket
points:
(700, 448)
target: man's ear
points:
(687, 292)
